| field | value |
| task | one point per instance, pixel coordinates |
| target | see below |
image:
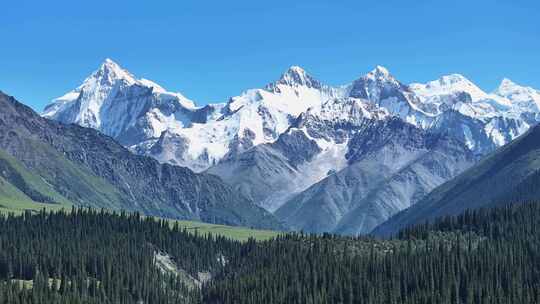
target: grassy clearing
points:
(53, 283)
(18, 185)
(232, 232)
(14, 201)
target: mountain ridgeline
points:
(321, 158)
(80, 166)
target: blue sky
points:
(211, 50)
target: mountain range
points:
(58, 164)
(321, 158)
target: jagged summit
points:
(114, 101)
(523, 97)
(379, 75)
(379, 72)
(295, 69)
(506, 86)
(506, 81)
(376, 82)
(108, 62)
(297, 76)
(110, 71)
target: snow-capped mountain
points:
(384, 90)
(136, 112)
(149, 120)
(523, 99)
(447, 85)
(279, 143)
(255, 117)
(83, 167)
(452, 104)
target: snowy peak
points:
(109, 64)
(376, 85)
(110, 72)
(379, 76)
(111, 76)
(525, 98)
(455, 83)
(113, 101)
(296, 76)
(506, 82)
(452, 79)
(507, 87)
(447, 85)
(380, 73)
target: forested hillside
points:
(481, 256)
(97, 257)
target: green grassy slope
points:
(13, 200)
(21, 189)
(232, 232)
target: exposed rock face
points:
(391, 166)
(269, 173)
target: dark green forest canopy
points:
(88, 256)
(101, 257)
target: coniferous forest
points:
(89, 256)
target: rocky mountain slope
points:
(509, 175)
(314, 146)
(391, 165)
(87, 168)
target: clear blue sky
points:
(211, 50)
